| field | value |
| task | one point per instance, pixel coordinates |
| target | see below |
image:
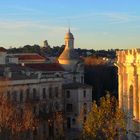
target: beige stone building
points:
(49, 86)
(77, 94)
(41, 89)
(77, 104)
(128, 63)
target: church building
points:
(77, 94)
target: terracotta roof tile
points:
(30, 57)
(2, 49)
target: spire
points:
(69, 30)
(68, 26)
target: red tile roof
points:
(45, 66)
(30, 57)
(2, 49)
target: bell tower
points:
(69, 40)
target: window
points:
(85, 118)
(69, 108)
(68, 94)
(74, 79)
(57, 106)
(34, 110)
(50, 92)
(44, 108)
(44, 93)
(21, 96)
(34, 93)
(21, 113)
(56, 91)
(50, 107)
(85, 108)
(15, 96)
(131, 99)
(73, 121)
(27, 93)
(84, 93)
(82, 79)
(8, 95)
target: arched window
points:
(131, 99)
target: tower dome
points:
(69, 35)
(69, 56)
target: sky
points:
(95, 24)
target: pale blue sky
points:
(96, 24)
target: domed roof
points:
(69, 54)
(69, 35)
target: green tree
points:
(105, 121)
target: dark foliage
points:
(103, 78)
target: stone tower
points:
(71, 61)
(69, 57)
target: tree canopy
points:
(105, 121)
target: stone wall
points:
(128, 63)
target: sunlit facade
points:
(129, 89)
(69, 56)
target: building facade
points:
(128, 63)
(77, 104)
(42, 91)
(77, 94)
(50, 87)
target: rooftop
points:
(2, 49)
(30, 57)
(45, 67)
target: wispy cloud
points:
(7, 24)
(31, 26)
(18, 11)
(111, 17)
(120, 17)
